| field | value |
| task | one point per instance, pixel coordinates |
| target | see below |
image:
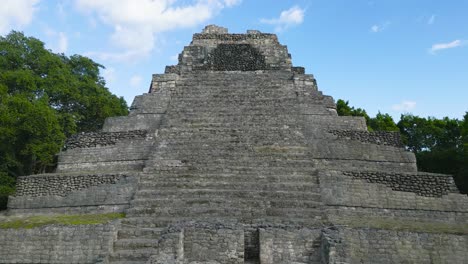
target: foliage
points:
(7, 187)
(44, 98)
(343, 109)
(42, 220)
(440, 145)
(381, 122)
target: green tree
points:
(461, 176)
(382, 122)
(438, 145)
(44, 98)
(343, 109)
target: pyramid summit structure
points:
(235, 156)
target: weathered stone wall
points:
(281, 246)
(218, 245)
(73, 190)
(233, 57)
(333, 122)
(57, 244)
(350, 155)
(202, 52)
(95, 139)
(395, 247)
(377, 137)
(147, 121)
(124, 155)
(341, 190)
(423, 184)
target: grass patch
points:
(405, 225)
(42, 220)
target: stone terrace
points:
(235, 156)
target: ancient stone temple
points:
(235, 156)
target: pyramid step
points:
(248, 186)
(230, 177)
(127, 232)
(227, 194)
(220, 211)
(164, 222)
(141, 254)
(135, 243)
(271, 168)
(237, 203)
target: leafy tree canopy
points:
(440, 145)
(44, 98)
(381, 122)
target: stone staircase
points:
(226, 152)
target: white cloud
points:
(450, 45)
(58, 40)
(136, 25)
(109, 75)
(60, 9)
(135, 81)
(287, 18)
(15, 14)
(62, 43)
(230, 3)
(379, 28)
(431, 20)
(404, 106)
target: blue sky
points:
(393, 56)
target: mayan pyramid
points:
(235, 156)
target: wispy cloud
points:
(379, 27)
(404, 106)
(431, 20)
(136, 26)
(135, 81)
(15, 14)
(60, 10)
(230, 3)
(109, 75)
(291, 17)
(58, 40)
(450, 45)
(62, 43)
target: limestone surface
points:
(235, 156)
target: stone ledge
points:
(386, 138)
(423, 184)
(62, 185)
(235, 37)
(94, 139)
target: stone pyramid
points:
(235, 156)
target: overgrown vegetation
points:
(42, 220)
(44, 98)
(440, 145)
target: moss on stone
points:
(42, 220)
(404, 225)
